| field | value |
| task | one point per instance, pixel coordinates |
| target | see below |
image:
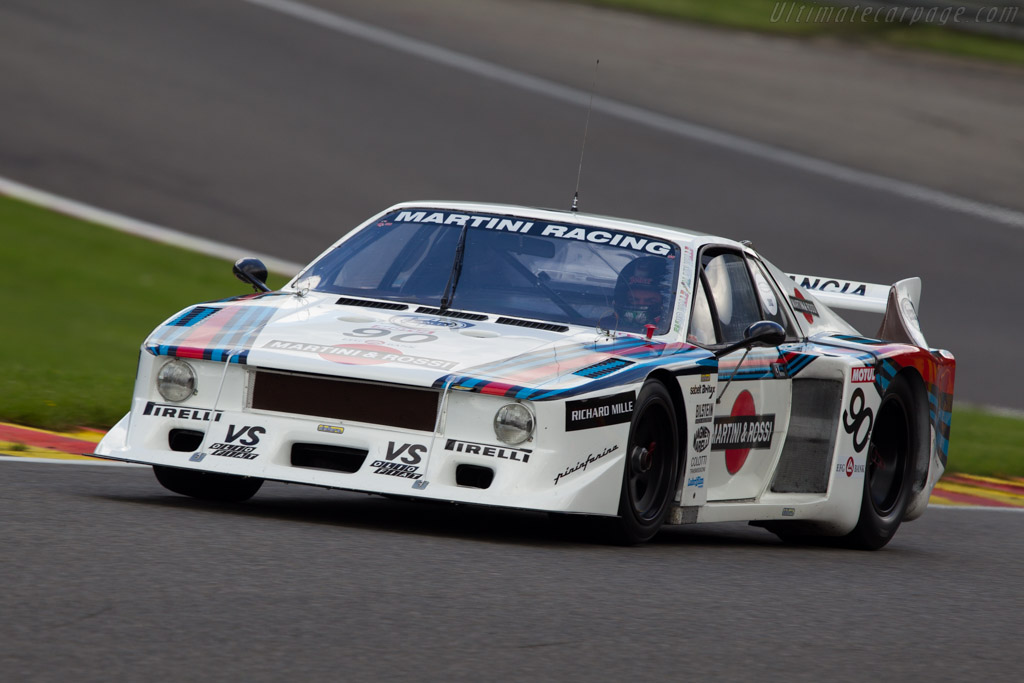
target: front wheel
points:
(889, 471)
(213, 486)
(652, 467)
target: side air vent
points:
(320, 457)
(193, 316)
(369, 303)
(551, 327)
(184, 440)
(474, 476)
(603, 368)
(451, 314)
(807, 454)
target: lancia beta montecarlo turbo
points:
(496, 355)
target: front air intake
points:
(474, 476)
(184, 440)
(321, 457)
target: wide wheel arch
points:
(892, 471)
(649, 484)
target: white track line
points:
(646, 117)
(139, 228)
(62, 461)
(973, 507)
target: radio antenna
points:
(586, 127)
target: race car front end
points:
(364, 434)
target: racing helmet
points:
(640, 293)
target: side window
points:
(732, 294)
(702, 326)
(772, 305)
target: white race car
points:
(547, 360)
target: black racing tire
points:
(651, 471)
(889, 473)
(212, 486)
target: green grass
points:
(756, 15)
(78, 300)
(982, 443)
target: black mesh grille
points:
(368, 303)
(345, 399)
(807, 453)
(551, 327)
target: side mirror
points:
(762, 333)
(252, 272)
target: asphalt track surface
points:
(239, 123)
(109, 577)
(236, 123)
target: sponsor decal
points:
(804, 306)
(704, 412)
(698, 463)
(613, 238)
(429, 322)
(742, 431)
(858, 375)
(409, 456)
(582, 464)
(330, 429)
(788, 512)
(702, 390)
(395, 469)
(705, 377)
(500, 452)
(771, 306)
(850, 468)
(409, 453)
(696, 482)
(360, 354)
(840, 286)
(394, 335)
(197, 457)
(701, 439)
(858, 420)
(599, 412)
(779, 370)
(168, 410)
(247, 439)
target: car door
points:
(752, 397)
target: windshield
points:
(515, 267)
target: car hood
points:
(316, 334)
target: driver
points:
(639, 299)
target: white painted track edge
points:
(639, 115)
(139, 228)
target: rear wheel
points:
(222, 488)
(889, 470)
(651, 469)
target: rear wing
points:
(898, 302)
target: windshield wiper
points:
(453, 279)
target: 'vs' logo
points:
(251, 440)
(412, 452)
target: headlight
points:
(176, 381)
(513, 423)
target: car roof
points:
(667, 232)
